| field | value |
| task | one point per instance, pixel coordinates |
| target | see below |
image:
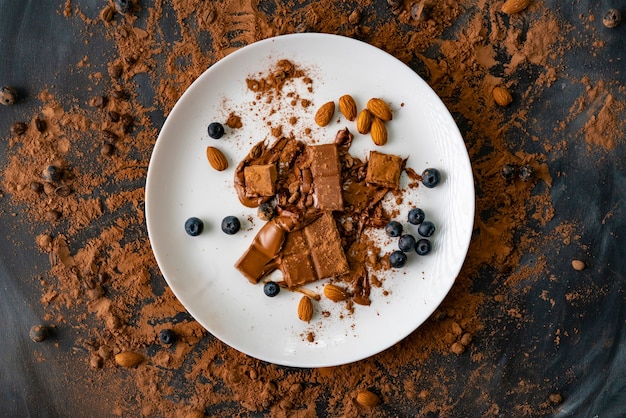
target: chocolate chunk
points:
(296, 264)
(326, 172)
(260, 180)
(384, 170)
(256, 262)
(313, 253)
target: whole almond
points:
(305, 309)
(379, 108)
(335, 293)
(364, 121)
(325, 114)
(502, 96)
(514, 6)
(128, 359)
(368, 399)
(216, 158)
(379, 132)
(347, 107)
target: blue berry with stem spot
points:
(393, 229)
(271, 289)
(194, 226)
(397, 259)
(216, 130)
(52, 173)
(231, 225)
(167, 336)
(426, 229)
(422, 246)
(431, 177)
(416, 216)
(406, 243)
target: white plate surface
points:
(181, 184)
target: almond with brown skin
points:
(379, 132)
(347, 107)
(502, 96)
(514, 6)
(305, 309)
(128, 359)
(364, 122)
(335, 293)
(368, 399)
(216, 158)
(578, 265)
(379, 108)
(325, 114)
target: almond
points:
(305, 309)
(578, 265)
(514, 6)
(335, 293)
(325, 114)
(216, 158)
(128, 359)
(347, 107)
(379, 108)
(368, 399)
(502, 96)
(364, 122)
(379, 132)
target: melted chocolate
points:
(325, 204)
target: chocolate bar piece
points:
(313, 253)
(260, 180)
(258, 260)
(326, 173)
(384, 170)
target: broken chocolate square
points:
(260, 180)
(326, 172)
(313, 253)
(384, 170)
(296, 264)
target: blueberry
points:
(7, 96)
(422, 247)
(38, 333)
(123, 6)
(416, 216)
(507, 171)
(266, 211)
(271, 289)
(194, 226)
(230, 225)
(426, 229)
(393, 229)
(167, 336)
(52, 173)
(397, 259)
(216, 130)
(431, 177)
(526, 172)
(406, 243)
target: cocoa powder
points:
(103, 280)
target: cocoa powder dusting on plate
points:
(103, 280)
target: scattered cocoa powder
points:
(103, 280)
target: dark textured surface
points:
(38, 46)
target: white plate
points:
(181, 184)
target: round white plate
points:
(181, 184)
